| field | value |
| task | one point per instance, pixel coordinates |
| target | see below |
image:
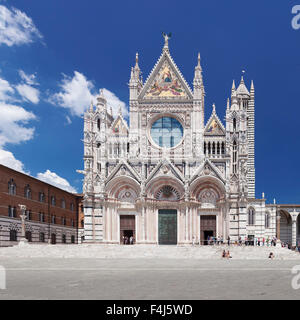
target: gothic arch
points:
(207, 183)
(285, 226)
(155, 187)
(125, 189)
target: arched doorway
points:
(285, 227)
(53, 238)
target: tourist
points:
(131, 240)
(263, 241)
(228, 240)
(193, 241)
(240, 241)
(228, 254)
(224, 254)
(271, 255)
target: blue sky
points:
(56, 55)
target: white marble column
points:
(294, 231)
(143, 224)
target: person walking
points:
(228, 240)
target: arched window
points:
(53, 201)
(234, 157)
(72, 206)
(63, 203)
(234, 124)
(12, 212)
(251, 217)
(28, 214)
(267, 220)
(42, 197)
(223, 148)
(27, 192)
(12, 189)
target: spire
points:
(120, 111)
(136, 60)
(91, 106)
(101, 101)
(252, 88)
(228, 104)
(233, 88)
(242, 89)
(198, 80)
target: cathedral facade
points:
(170, 178)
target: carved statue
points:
(166, 37)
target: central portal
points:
(167, 226)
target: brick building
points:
(52, 214)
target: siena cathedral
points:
(169, 177)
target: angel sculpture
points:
(166, 37)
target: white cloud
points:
(7, 159)
(69, 121)
(16, 28)
(12, 121)
(30, 79)
(55, 180)
(28, 93)
(77, 93)
(6, 91)
(115, 103)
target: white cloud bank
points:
(56, 180)
(6, 91)
(16, 28)
(77, 92)
(8, 160)
(12, 121)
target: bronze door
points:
(127, 228)
(167, 226)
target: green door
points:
(167, 226)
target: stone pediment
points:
(214, 126)
(119, 127)
(207, 168)
(166, 82)
(123, 169)
(165, 168)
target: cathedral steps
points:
(100, 251)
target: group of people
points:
(226, 254)
(128, 240)
(211, 240)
